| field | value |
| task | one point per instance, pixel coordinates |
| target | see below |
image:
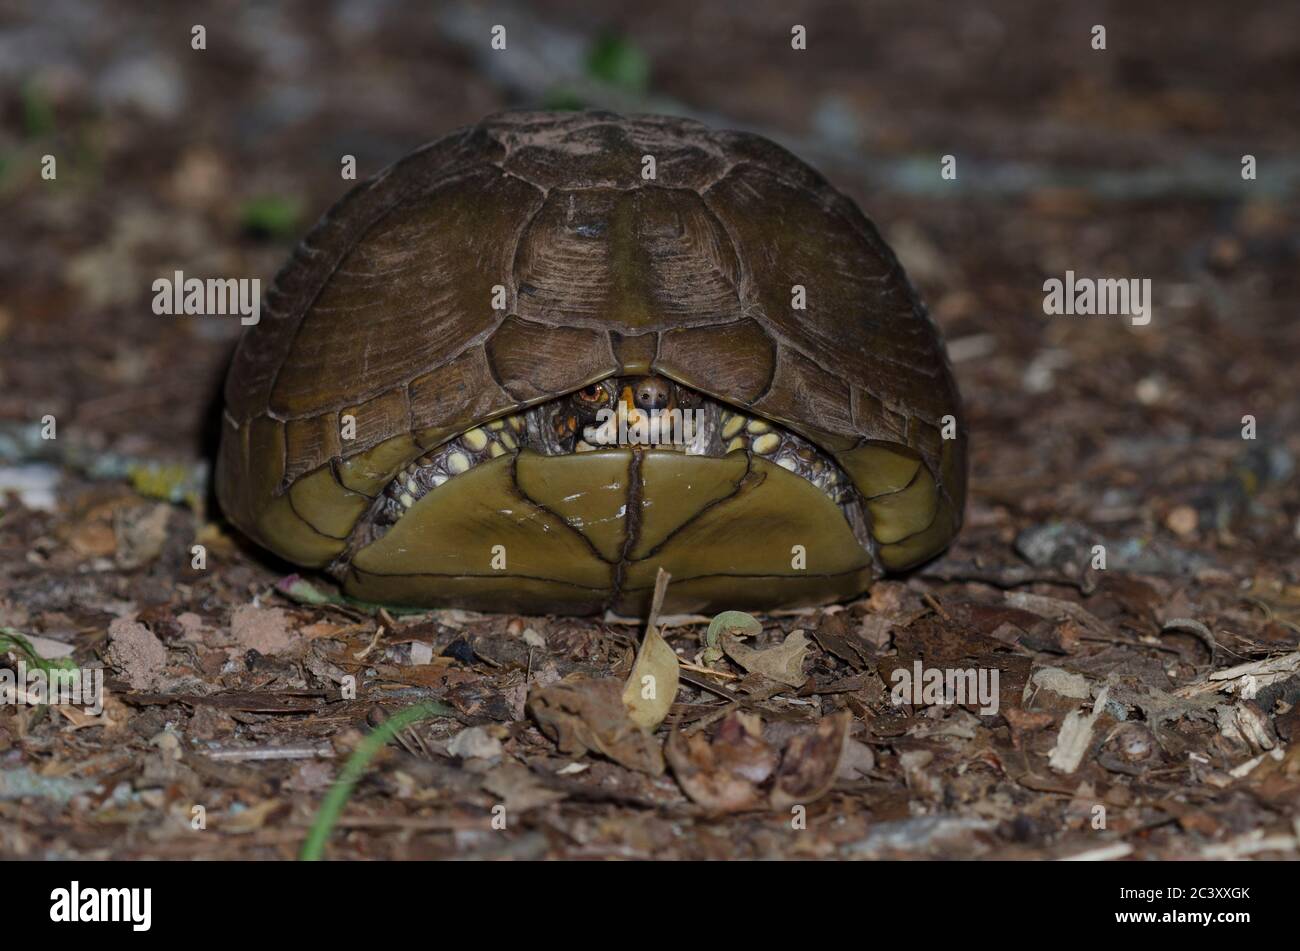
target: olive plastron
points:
(515, 372)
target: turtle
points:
(533, 362)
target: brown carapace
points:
(531, 363)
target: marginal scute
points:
(233, 486)
(370, 471)
(326, 506)
(920, 547)
(810, 400)
(874, 420)
(879, 469)
(635, 354)
(534, 361)
(265, 459)
(375, 421)
(736, 358)
(906, 512)
(926, 438)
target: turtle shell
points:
(523, 258)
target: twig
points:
(323, 751)
(938, 608)
(657, 602)
(686, 665)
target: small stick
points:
(324, 751)
(686, 665)
(361, 655)
(938, 608)
(657, 602)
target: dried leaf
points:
(811, 761)
(1075, 737)
(583, 716)
(252, 818)
(519, 789)
(652, 686)
(783, 663)
(725, 772)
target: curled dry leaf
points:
(583, 716)
(727, 771)
(783, 663)
(651, 688)
(811, 762)
(735, 769)
(519, 789)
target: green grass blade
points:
(337, 798)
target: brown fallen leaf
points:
(519, 789)
(724, 772)
(112, 718)
(582, 715)
(811, 762)
(735, 769)
(783, 663)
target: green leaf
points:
(11, 640)
(271, 216)
(297, 589)
(562, 99)
(38, 114)
(736, 623)
(616, 61)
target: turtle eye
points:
(592, 394)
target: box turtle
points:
(532, 362)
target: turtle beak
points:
(629, 410)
